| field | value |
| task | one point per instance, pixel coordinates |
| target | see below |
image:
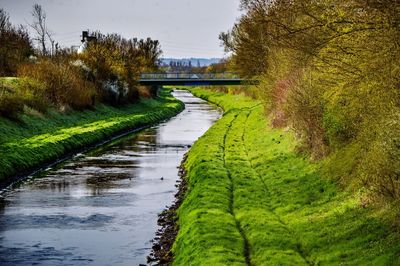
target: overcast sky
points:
(185, 28)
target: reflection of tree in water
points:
(148, 135)
(117, 164)
(59, 185)
(3, 205)
(145, 141)
(101, 182)
(55, 181)
(127, 143)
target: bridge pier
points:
(154, 89)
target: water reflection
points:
(101, 207)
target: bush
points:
(15, 94)
(304, 108)
(10, 104)
(63, 84)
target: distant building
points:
(86, 37)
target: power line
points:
(68, 33)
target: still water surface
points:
(100, 208)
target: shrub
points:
(16, 93)
(10, 103)
(63, 84)
(304, 107)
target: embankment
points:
(35, 141)
(253, 200)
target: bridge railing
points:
(194, 76)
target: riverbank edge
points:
(161, 253)
(169, 105)
(162, 248)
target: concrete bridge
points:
(193, 79)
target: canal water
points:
(101, 207)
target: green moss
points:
(36, 140)
(252, 198)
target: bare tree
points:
(52, 42)
(4, 21)
(40, 27)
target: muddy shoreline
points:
(161, 253)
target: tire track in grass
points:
(246, 249)
(208, 233)
(298, 246)
(332, 227)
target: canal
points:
(101, 207)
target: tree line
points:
(106, 71)
(330, 71)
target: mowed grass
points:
(35, 140)
(253, 200)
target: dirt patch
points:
(165, 236)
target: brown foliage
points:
(15, 46)
(112, 58)
(63, 84)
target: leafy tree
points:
(120, 61)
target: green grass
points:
(35, 140)
(253, 200)
(9, 81)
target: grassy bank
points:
(252, 200)
(37, 139)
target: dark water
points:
(101, 208)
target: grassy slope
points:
(253, 200)
(36, 140)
